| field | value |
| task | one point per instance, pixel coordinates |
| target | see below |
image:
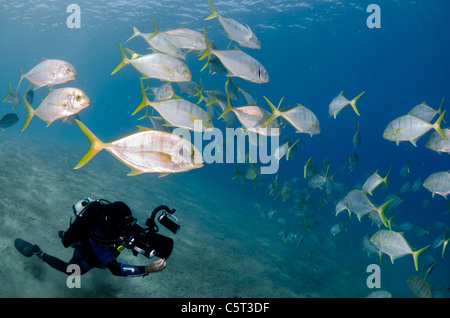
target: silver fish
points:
(59, 103)
(49, 72)
(411, 128)
(237, 63)
(184, 38)
(178, 112)
(438, 183)
(156, 65)
(300, 117)
(425, 112)
(236, 31)
(436, 143)
(395, 245)
(339, 102)
(159, 42)
(147, 151)
(15, 97)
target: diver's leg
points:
(56, 263)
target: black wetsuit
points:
(89, 254)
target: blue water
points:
(312, 50)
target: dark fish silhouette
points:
(8, 120)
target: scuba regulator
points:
(139, 238)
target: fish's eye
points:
(78, 98)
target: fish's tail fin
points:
(96, 145)
(229, 106)
(155, 33)
(290, 149)
(214, 13)
(275, 111)
(9, 92)
(353, 103)
(437, 125)
(135, 34)
(385, 179)
(207, 52)
(30, 113)
(381, 210)
(144, 101)
(416, 256)
(21, 78)
(124, 61)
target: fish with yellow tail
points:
(146, 151)
(300, 117)
(339, 102)
(395, 245)
(59, 103)
(236, 31)
(237, 63)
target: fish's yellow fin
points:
(144, 102)
(437, 125)
(96, 145)
(9, 92)
(353, 103)
(207, 52)
(229, 106)
(214, 13)
(275, 111)
(416, 256)
(135, 33)
(124, 61)
(30, 113)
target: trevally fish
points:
(356, 139)
(49, 72)
(436, 143)
(156, 65)
(236, 31)
(146, 151)
(374, 181)
(164, 91)
(395, 245)
(420, 287)
(411, 128)
(159, 42)
(59, 103)
(339, 102)
(299, 117)
(178, 112)
(425, 112)
(15, 97)
(379, 294)
(438, 183)
(358, 203)
(184, 38)
(238, 63)
(252, 118)
(8, 120)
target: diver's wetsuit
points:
(88, 254)
(91, 254)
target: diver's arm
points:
(119, 269)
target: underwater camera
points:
(140, 241)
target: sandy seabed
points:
(224, 249)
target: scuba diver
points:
(100, 230)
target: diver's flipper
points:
(26, 249)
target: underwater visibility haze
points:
(359, 93)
